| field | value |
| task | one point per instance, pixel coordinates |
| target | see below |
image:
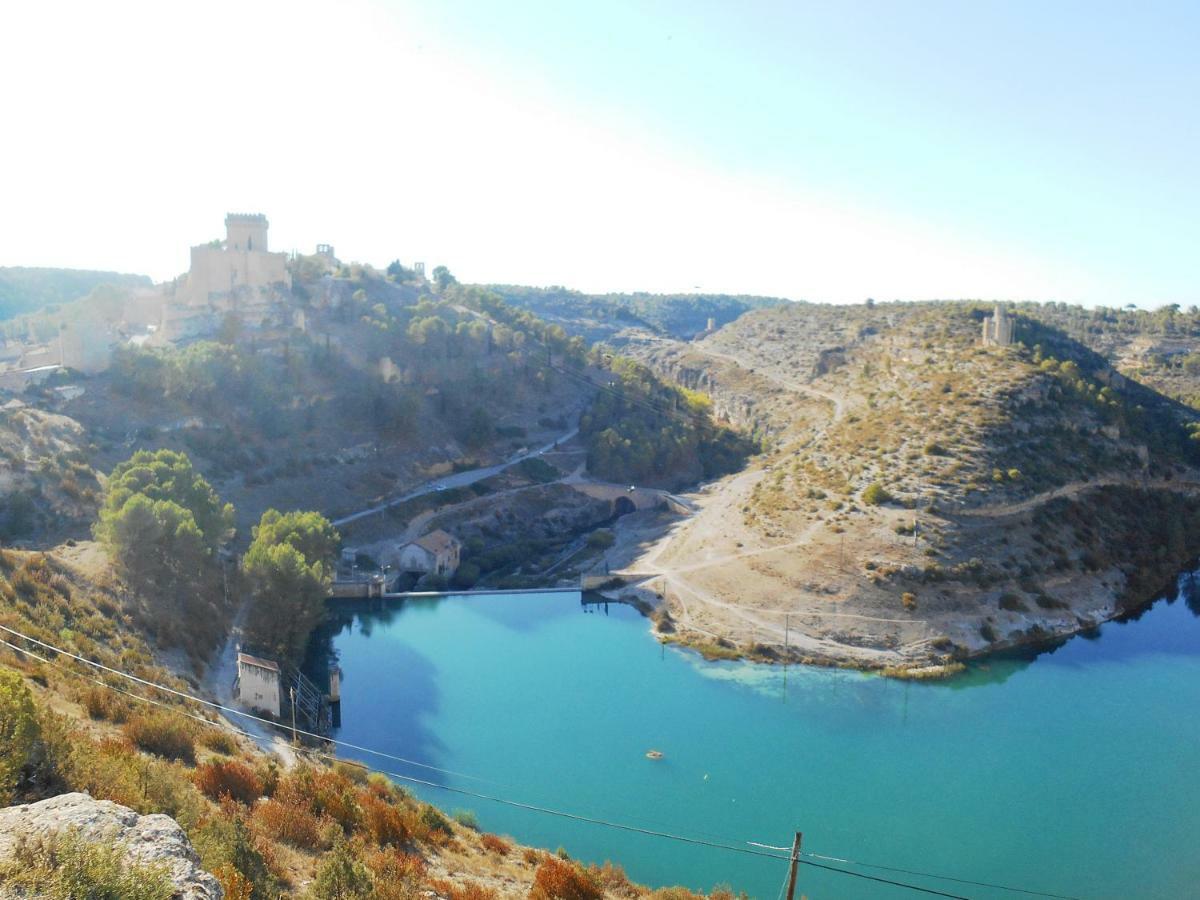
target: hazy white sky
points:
(826, 152)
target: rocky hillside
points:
(150, 849)
(924, 497)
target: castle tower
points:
(246, 232)
(997, 328)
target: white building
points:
(258, 683)
(435, 553)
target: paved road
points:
(459, 479)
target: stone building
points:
(258, 683)
(436, 553)
(237, 275)
(997, 328)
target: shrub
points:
(341, 876)
(1045, 601)
(66, 867)
(466, 890)
(876, 494)
(1012, 602)
(231, 851)
(435, 821)
(290, 823)
(104, 704)
(228, 778)
(466, 818)
(19, 732)
(601, 539)
(495, 844)
(909, 600)
(383, 821)
(398, 875)
(164, 734)
(219, 741)
(557, 879)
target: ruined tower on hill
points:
(997, 328)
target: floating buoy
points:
(654, 754)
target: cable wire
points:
(717, 845)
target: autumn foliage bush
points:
(560, 879)
(383, 821)
(228, 778)
(495, 844)
(291, 823)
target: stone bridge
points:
(624, 500)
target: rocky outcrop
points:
(148, 840)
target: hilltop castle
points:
(237, 275)
(997, 328)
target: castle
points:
(238, 275)
(997, 328)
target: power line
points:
(237, 712)
(987, 884)
(516, 804)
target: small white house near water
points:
(435, 553)
(258, 683)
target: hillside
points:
(948, 499)
(598, 317)
(26, 290)
(265, 826)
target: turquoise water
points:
(1070, 773)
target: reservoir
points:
(1071, 773)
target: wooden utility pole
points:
(791, 891)
(292, 691)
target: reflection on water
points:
(1018, 779)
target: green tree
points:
(160, 522)
(18, 732)
(442, 278)
(288, 567)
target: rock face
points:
(148, 840)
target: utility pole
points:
(292, 691)
(791, 891)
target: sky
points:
(818, 151)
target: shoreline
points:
(931, 668)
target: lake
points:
(1068, 773)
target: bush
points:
(435, 821)
(383, 821)
(398, 875)
(232, 852)
(600, 539)
(164, 734)
(228, 778)
(68, 868)
(495, 844)
(219, 741)
(290, 823)
(466, 818)
(557, 879)
(19, 732)
(909, 600)
(341, 876)
(104, 704)
(1012, 603)
(876, 494)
